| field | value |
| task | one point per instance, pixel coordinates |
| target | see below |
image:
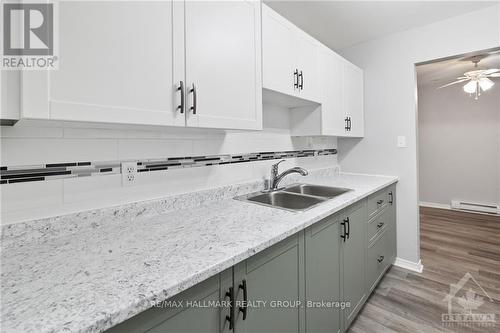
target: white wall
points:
(49, 142)
(390, 104)
(458, 145)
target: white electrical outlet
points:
(129, 173)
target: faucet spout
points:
(277, 178)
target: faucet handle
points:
(276, 164)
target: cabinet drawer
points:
(377, 260)
(378, 224)
(378, 201)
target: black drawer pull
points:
(348, 223)
(181, 89)
(243, 309)
(380, 259)
(380, 225)
(194, 107)
(343, 224)
(230, 318)
(391, 200)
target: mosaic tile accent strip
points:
(33, 173)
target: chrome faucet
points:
(277, 178)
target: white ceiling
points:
(339, 24)
(443, 72)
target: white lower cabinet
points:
(124, 61)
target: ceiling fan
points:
(479, 79)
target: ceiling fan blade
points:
(452, 83)
(491, 71)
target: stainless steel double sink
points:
(296, 197)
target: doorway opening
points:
(458, 154)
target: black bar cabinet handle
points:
(296, 79)
(343, 236)
(391, 200)
(348, 227)
(230, 318)
(380, 259)
(243, 309)
(181, 89)
(350, 123)
(346, 123)
(301, 86)
(193, 107)
(380, 225)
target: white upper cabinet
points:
(306, 51)
(278, 53)
(341, 111)
(353, 99)
(323, 90)
(124, 61)
(109, 69)
(223, 64)
(290, 58)
(332, 90)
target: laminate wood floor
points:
(452, 244)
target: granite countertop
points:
(93, 279)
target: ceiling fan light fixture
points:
(485, 83)
(477, 80)
(470, 87)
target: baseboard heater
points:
(475, 207)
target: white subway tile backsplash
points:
(31, 132)
(17, 151)
(97, 133)
(26, 196)
(96, 188)
(39, 143)
(153, 148)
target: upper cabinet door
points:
(332, 102)
(116, 64)
(353, 99)
(307, 64)
(280, 72)
(290, 58)
(223, 64)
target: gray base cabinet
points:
(322, 246)
(353, 260)
(273, 280)
(181, 314)
(381, 236)
(298, 285)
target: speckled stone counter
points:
(87, 277)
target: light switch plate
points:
(402, 141)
